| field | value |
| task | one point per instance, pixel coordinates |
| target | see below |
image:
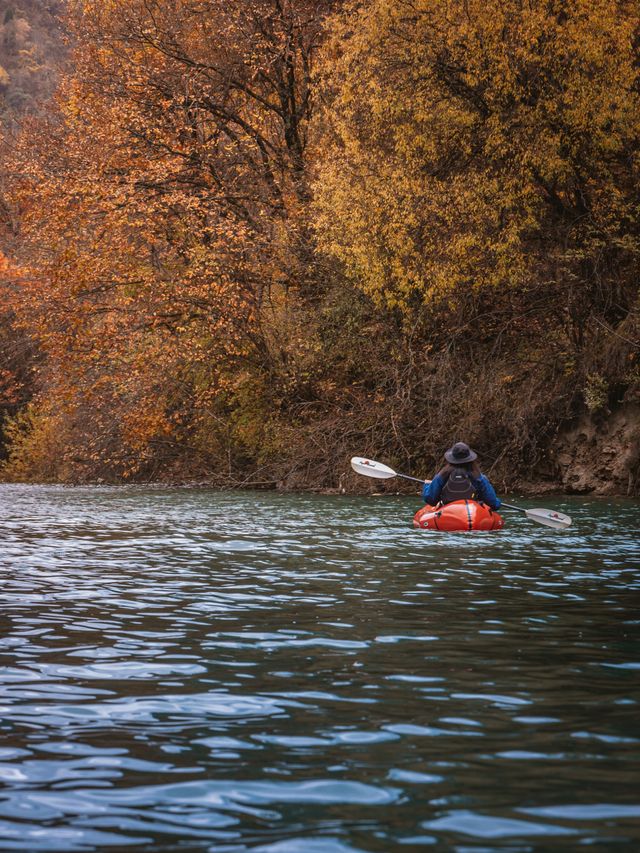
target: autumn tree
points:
(485, 145)
(165, 216)
(17, 356)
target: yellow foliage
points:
(469, 143)
(36, 438)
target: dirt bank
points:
(600, 453)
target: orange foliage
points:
(162, 211)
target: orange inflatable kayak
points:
(458, 515)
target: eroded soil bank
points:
(600, 454)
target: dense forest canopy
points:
(246, 240)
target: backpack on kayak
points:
(458, 487)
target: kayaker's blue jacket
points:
(484, 491)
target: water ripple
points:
(323, 678)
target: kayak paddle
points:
(550, 517)
(369, 468)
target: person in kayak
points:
(460, 479)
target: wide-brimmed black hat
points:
(460, 453)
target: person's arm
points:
(431, 491)
(486, 493)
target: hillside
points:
(31, 52)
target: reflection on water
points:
(187, 670)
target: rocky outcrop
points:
(600, 453)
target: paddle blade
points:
(369, 468)
(549, 517)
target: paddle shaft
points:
(511, 506)
(415, 479)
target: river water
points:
(188, 670)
